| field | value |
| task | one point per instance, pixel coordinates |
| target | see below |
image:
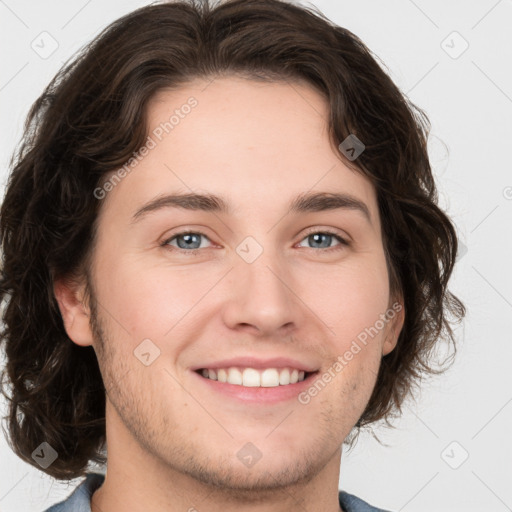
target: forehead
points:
(257, 144)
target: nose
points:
(261, 299)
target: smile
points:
(251, 377)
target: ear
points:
(396, 315)
(75, 315)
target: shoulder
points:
(351, 503)
(80, 498)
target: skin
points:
(172, 442)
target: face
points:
(269, 283)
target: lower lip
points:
(258, 395)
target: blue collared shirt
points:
(80, 499)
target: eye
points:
(187, 241)
(323, 239)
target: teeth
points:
(284, 377)
(270, 378)
(234, 376)
(252, 378)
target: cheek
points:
(147, 300)
(351, 298)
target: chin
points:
(265, 477)
(260, 466)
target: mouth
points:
(262, 385)
(255, 378)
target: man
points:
(222, 256)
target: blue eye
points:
(187, 241)
(324, 237)
(190, 241)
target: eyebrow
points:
(303, 203)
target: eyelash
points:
(192, 252)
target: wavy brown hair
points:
(89, 121)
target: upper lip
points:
(258, 363)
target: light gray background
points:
(469, 102)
